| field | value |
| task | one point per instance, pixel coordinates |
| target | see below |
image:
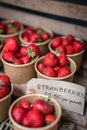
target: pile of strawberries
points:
(13, 53)
(69, 45)
(54, 66)
(38, 114)
(10, 27)
(5, 85)
(35, 35)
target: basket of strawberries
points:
(40, 36)
(35, 111)
(56, 67)
(6, 90)
(73, 47)
(18, 62)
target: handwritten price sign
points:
(70, 96)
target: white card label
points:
(70, 95)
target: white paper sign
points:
(70, 96)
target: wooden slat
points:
(66, 125)
(35, 20)
(52, 7)
(76, 118)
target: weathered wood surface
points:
(76, 118)
(66, 125)
(52, 7)
(79, 128)
(61, 9)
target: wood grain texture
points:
(56, 26)
(76, 118)
(52, 7)
(66, 125)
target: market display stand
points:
(62, 18)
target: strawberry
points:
(17, 25)
(11, 44)
(64, 71)
(41, 67)
(4, 80)
(43, 106)
(50, 118)
(60, 49)
(4, 91)
(33, 119)
(69, 49)
(11, 30)
(25, 37)
(8, 56)
(35, 38)
(63, 60)
(65, 42)
(70, 38)
(17, 61)
(25, 59)
(45, 36)
(50, 72)
(2, 28)
(56, 68)
(50, 59)
(23, 51)
(56, 42)
(78, 46)
(29, 30)
(33, 50)
(25, 104)
(18, 113)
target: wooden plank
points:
(76, 118)
(53, 7)
(66, 125)
(35, 20)
(78, 127)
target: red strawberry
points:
(17, 25)
(63, 60)
(11, 30)
(43, 106)
(50, 59)
(50, 118)
(65, 42)
(25, 37)
(2, 28)
(50, 72)
(4, 91)
(60, 49)
(8, 56)
(64, 71)
(45, 36)
(17, 61)
(25, 59)
(56, 68)
(23, 51)
(69, 49)
(35, 38)
(33, 50)
(4, 80)
(78, 46)
(70, 38)
(33, 119)
(18, 113)
(56, 42)
(41, 67)
(29, 30)
(25, 104)
(11, 44)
